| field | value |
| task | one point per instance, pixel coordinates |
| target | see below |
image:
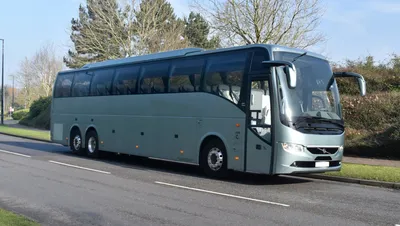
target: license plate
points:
(321, 164)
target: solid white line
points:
(79, 167)
(222, 194)
(14, 153)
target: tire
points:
(75, 142)
(214, 159)
(92, 144)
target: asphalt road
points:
(47, 183)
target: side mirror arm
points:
(290, 70)
(360, 79)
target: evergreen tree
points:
(98, 34)
(197, 31)
(158, 28)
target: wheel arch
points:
(207, 138)
(89, 128)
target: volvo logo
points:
(323, 150)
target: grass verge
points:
(11, 219)
(42, 135)
(368, 172)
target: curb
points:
(23, 137)
(354, 181)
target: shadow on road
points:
(142, 163)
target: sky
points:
(353, 28)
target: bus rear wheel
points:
(76, 141)
(214, 159)
(92, 144)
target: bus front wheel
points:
(92, 144)
(214, 159)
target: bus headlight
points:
(293, 148)
(340, 149)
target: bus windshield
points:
(315, 98)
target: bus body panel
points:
(167, 126)
(284, 159)
(258, 154)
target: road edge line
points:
(79, 167)
(24, 137)
(222, 194)
(353, 180)
(15, 153)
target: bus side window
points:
(180, 83)
(81, 85)
(224, 75)
(63, 85)
(125, 80)
(185, 76)
(155, 78)
(101, 83)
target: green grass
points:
(368, 172)
(11, 219)
(43, 135)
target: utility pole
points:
(2, 82)
(13, 93)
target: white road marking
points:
(79, 167)
(222, 194)
(14, 153)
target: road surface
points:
(45, 182)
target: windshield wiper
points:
(311, 119)
(303, 54)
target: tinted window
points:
(259, 56)
(224, 75)
(125, 80)
(155, 77)
(63, 85)
(101, 82)
(81, 84)
(185, 76)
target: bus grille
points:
(322, 150)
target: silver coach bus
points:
(264, 109)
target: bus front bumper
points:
(300, 160)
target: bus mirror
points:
(289, 68)
(291, 76)
(362, 85)
(361, 82)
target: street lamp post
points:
(2, 82)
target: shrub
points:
(372, 125)
(20, 114)
(373, 112)
(38, 106)
(379, 78)
(39, 114)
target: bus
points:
(264, 109)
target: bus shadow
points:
(146, 164)
(142, 163)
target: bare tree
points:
(44, 67)
(284, 22)
(37, 74)
(26, 80)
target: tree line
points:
(111, 29)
